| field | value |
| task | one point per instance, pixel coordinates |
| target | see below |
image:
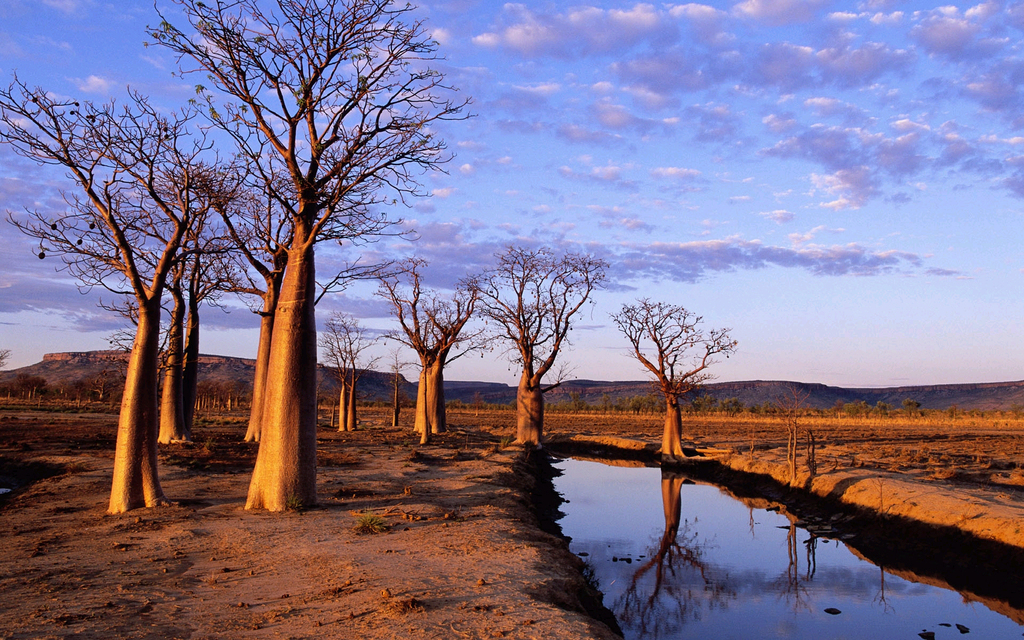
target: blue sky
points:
(840, 183)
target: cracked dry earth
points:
(463, 556)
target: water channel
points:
(678, 559)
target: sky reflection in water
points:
(732, 572)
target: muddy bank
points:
(933, 550)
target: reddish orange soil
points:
(462, 556)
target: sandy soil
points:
(463, 556)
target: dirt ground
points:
(462, 556)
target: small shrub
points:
(369, 523)
(295, 503)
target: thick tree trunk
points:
(436, 417)
(285, 472)
(351, 419)
(136, 483)
(529, 412)
(190, 369)
(343, 406)
(672, 436)
(259, 383)
(422, 422)
(172, 407)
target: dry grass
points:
(966, 448)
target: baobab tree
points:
(338, 97)
(140, 182)
(201, 272)
(432, 325)
(532, 296)
(396, 386)
(210, 274)
(670, 342)
(172, 399)
(261, 232)
(344, 341)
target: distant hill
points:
(67, 368)
(996, 395)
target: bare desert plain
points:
(432, 541)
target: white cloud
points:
(677, 173)
(67, 6)
(852, 186)
(487, 40)
(778, 216)
(93, 84)
(545, 89)
(778, 12)
(887, 18)
(779, 124)
(442, 35)
(903, 124)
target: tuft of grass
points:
(295, 503)
(369, 523)
(507, 442)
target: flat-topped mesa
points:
(208, 359)
(86, 356)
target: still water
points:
(681, 560)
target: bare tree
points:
(210, 274)
(396, 386)
(669, 341)
(790, 407)
(533, 296)
(431, 325)
(338, 97)
(137, 171)
(199, 276)
(344, 341)
(5, 355)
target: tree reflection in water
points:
(788, 585)
(683, 582)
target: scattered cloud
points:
(579, 31)
(607, 174)
(693, 261)
(676, 173)
(779, 216)
(94, 84)
(851, 187)
(779, 12)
